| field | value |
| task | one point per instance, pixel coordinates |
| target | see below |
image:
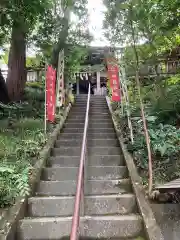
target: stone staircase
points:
(110, 206)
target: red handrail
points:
(80, 181)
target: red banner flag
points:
(114, 80)
(50, 93)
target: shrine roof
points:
(93, 68)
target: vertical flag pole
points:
(45, 106)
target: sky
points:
(96, 16)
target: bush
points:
(165, 147)
(13, 183)
(167, 107)
(162, 111)
(19, 146)
(165, 140)
(34, 94)
(35, 85)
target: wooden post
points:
(45, 107)
(77, 86)
(98, 83)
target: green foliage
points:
(165, 147)
(173, 80)
(154, 23)
(157, 25)
(35, 85)
(73, 60)
(167, 106)
(165, 140)
(21, 139)
(13, 183)
(5, 57)
(19, 145)
(55, 30)
(34, 62)
(32, 106)
(37, 96)
(24, 13)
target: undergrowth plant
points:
(163, 121)
(21, 140)
(18, 152)
(13, 183)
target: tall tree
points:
(20, 17)
(56, 31)
(79, 8)
(44, 23)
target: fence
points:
(161, 67)
(32, 75)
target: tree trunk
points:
(4, 98)
(61, 38)
(17, 63)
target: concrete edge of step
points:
(11, 215)
(152, 229)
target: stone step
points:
(109, 227)
(78, 102)
(99, 107)
(97, 99)
(103, 101)
(77, 114)
(66, 151)
(91, 125)
(93, 205)
(82, 95)
(90, 135)
(92, 187)
(91, 143)
(92, 121)
(94, 160)
(90, 130)
(64, 136)
(92, 98)
(92, 109)
(91, 173)
(76, 151)
(107, 124)
(95, 102)
(92, 106)
(92, 118)
(91, 114)
(104, 151)
(99, 117)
